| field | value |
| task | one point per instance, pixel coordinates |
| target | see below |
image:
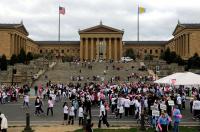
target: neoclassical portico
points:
(101, 43)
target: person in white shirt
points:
(64, 96)
(26, 101)
(196, 108)
(66, 112)
(80, 115)
(71, 115)
(179, 102)
(50, 106)
(103, 116)
(4, 96)
(126, 106)
(132, 101)
(4, 123)
(137, 108)
(121, 111)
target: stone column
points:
(86, 48)
(115, 46)
(92, 49)
(175, 45)
(20, 41)
(110, 49)
(104, 48)
(25, 45)
(97, 49)
(11, 44)
(81, 49)
(186, 46)
(181, 45)
(17, 44)
(120, 48)
(188, 39)
(178, 44)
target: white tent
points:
(168, 79)
(186, 78)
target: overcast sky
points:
(40, 17)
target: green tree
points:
(3, 63)
(22, 56)
(148, 57)
(179, 60)
(166, 55)
(130, 53)
(172, 57)
(13, 59)
(194, 62)
(29, 56)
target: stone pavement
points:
(16, 115)
(59, 128)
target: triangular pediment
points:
(101, 29)
(178, 29)
(21, 29)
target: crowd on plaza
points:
(161, 105)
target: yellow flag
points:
(141, 10)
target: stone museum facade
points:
(100, 42)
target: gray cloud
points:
(41, 16)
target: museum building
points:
(100, 42)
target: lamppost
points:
(27, 128)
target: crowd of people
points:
(161, 105)
(122, 100)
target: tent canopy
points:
(186, 78)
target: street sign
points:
(163, 107)
(171, 103)
(155, 113)
(154, 107)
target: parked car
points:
(126, 59)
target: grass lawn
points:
(182, 129)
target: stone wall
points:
(24, 73)
(164, 68)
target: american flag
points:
(61, 10)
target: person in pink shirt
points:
(50, 106)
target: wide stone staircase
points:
(63, 72)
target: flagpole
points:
(138, 29)
(59, 52)
(138, 26)
(59, 23)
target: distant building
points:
(100, 42)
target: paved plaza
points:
(61, 74)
